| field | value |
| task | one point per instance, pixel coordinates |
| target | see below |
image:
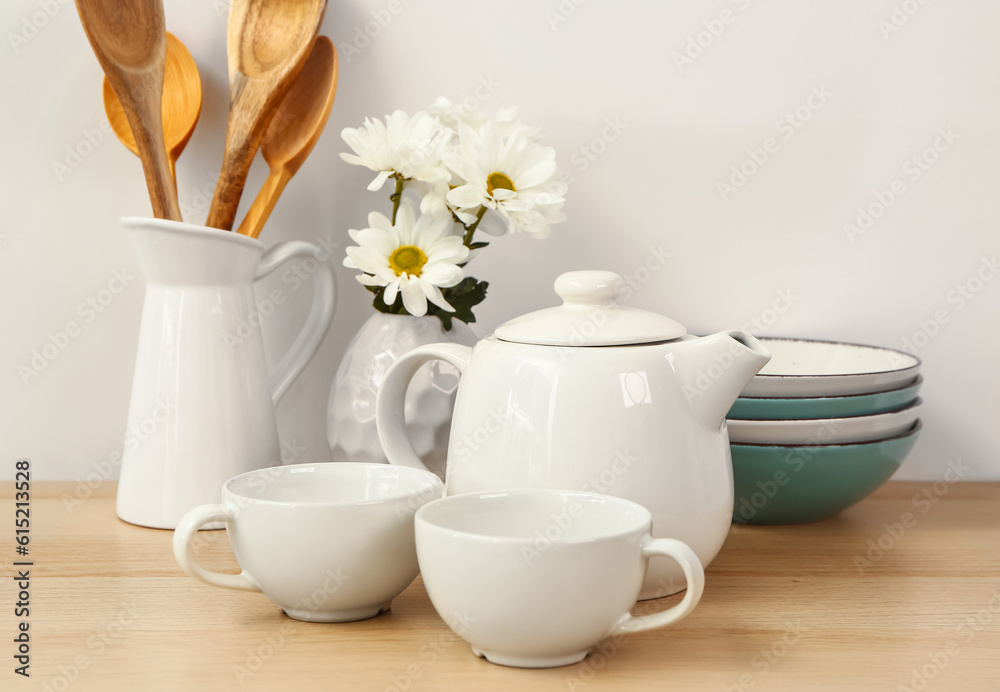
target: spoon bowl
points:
(294, 130)
(180, 109)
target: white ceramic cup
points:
(329, 542)
(535, 578)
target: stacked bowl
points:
(821, 427)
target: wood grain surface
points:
(785, 608)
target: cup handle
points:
(693, 572)
(186, 530)
(320, 314)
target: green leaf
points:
(463, 296)
(379, 303)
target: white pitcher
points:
(202, 406)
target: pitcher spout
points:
(714, 369)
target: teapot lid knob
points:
(590, 316)
(589, 288)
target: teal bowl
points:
(790, 484)
(767, 408)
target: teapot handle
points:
(389, 405)
(320, 314)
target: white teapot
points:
(593, 396)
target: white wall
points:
(654, 184)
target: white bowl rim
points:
(432, 482)
(420, 517)
(808, 422)
(765, 339)
(912, 430)
(915, 382)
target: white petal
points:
(516, 205)
(464, 169)
(435, 201)
(465, 196)
(493, 224)
(434, 295)
(532, 224)
(466, 217)
(413, 298)
(536, 175)
(441, 274)
(391, 288)
(378, 240)
(357, 160)
(405, 221)
(366, 259)
(432, 174)
(356, 139)
(434, 229)
(379, 180)
(539, 196)
(452, 254)
(511, 226)
(380, 222)
(385, 274)
(369, 280)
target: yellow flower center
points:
(407, 259)
(499, 181)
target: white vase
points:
(350, 420)
(202, 406)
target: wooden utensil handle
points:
(145, 105)
(242, 143)
(263, 203)
(161, 186)
(226, 200)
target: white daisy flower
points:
(514, 176)
(433, 199)
(411, 147)
(508, 121)
(415, 258)
(454, 114)
(466, 112)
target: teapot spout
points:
(714, 369)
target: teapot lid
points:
(590, 316)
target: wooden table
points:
(785, 608)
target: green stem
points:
(467, 240)
(396, 196)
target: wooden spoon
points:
(268, 43)
(129, 40)
(294, 130)
(181, 104)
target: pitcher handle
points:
(390, 418)
(320, 314)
